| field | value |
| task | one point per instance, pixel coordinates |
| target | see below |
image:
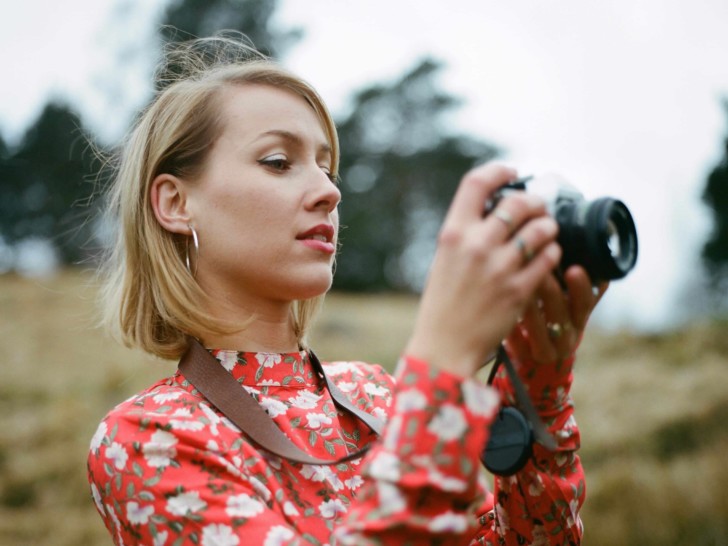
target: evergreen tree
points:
(715, 195)
(43, 183)
(184, 19)
(399, 170)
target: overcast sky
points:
(623, 98)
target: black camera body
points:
(599, 235)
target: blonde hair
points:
(149, 298)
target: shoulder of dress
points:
(356, 368)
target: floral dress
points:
(166, 468)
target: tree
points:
(43, 183)
(715, 195)
(196, 18)
(399, 170)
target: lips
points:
(320, 237)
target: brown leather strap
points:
(217, 385)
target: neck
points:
(262, 328)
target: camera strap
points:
(208, 376)
(512, 433)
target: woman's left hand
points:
(553, 323)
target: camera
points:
(599, 235)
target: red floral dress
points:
(166, 468)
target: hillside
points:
(652, 411)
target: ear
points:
(169, 201)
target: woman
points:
(227, 201)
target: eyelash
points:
(282, 165)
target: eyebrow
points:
(292, 138)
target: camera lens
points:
(599, 235)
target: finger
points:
(513, 211)
(531, 239)
(557, 315)
(517, 345)
(582, 299)
(473, 191)
(539, 341)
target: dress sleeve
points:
(541, 503)
(423, 481)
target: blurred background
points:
(624, 99)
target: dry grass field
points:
(653, 412)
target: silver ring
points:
(525, 251)
(554, 329)
(505, 217)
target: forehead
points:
(250, 110)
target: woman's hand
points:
(485, 272)
(553, 322)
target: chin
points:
(313, 288)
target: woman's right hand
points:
(485, 272)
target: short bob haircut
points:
(149, 297)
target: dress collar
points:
(268, 369)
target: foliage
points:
(715, 195)
(42, 183)
(400, 165)
(184, 19)
(399, 170)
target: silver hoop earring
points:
(196, 243)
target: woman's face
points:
(265, 207)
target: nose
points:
(325, 193)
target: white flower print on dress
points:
(339, 368)
(273, 407)
(410, 400)
(449, 521)
(480, 399)
(277, 536)
(354, 483)
(268, 360)
(228, 359)
(137, 514)
(290, 509)
(449, 423)
(164, 397)
(117, 453)
(185, 422)
(319, 473)
(185, 503)
(375, 390)
(380, 413)
(347, 386)
(160, 450)
(98, 437)
(391, 500)
(243, 506)
(535, 488)
(219, 534)
(305, 400)
(117, 524)
(161, 538)
(331, 508)
(260, 488)
(315, 420)
(216, 419)
(97, 498)
(385, 466)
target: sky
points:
(622, 98)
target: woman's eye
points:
(276, 163)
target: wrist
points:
(443, 359)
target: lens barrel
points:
(600, 235)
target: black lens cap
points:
(510, 444)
